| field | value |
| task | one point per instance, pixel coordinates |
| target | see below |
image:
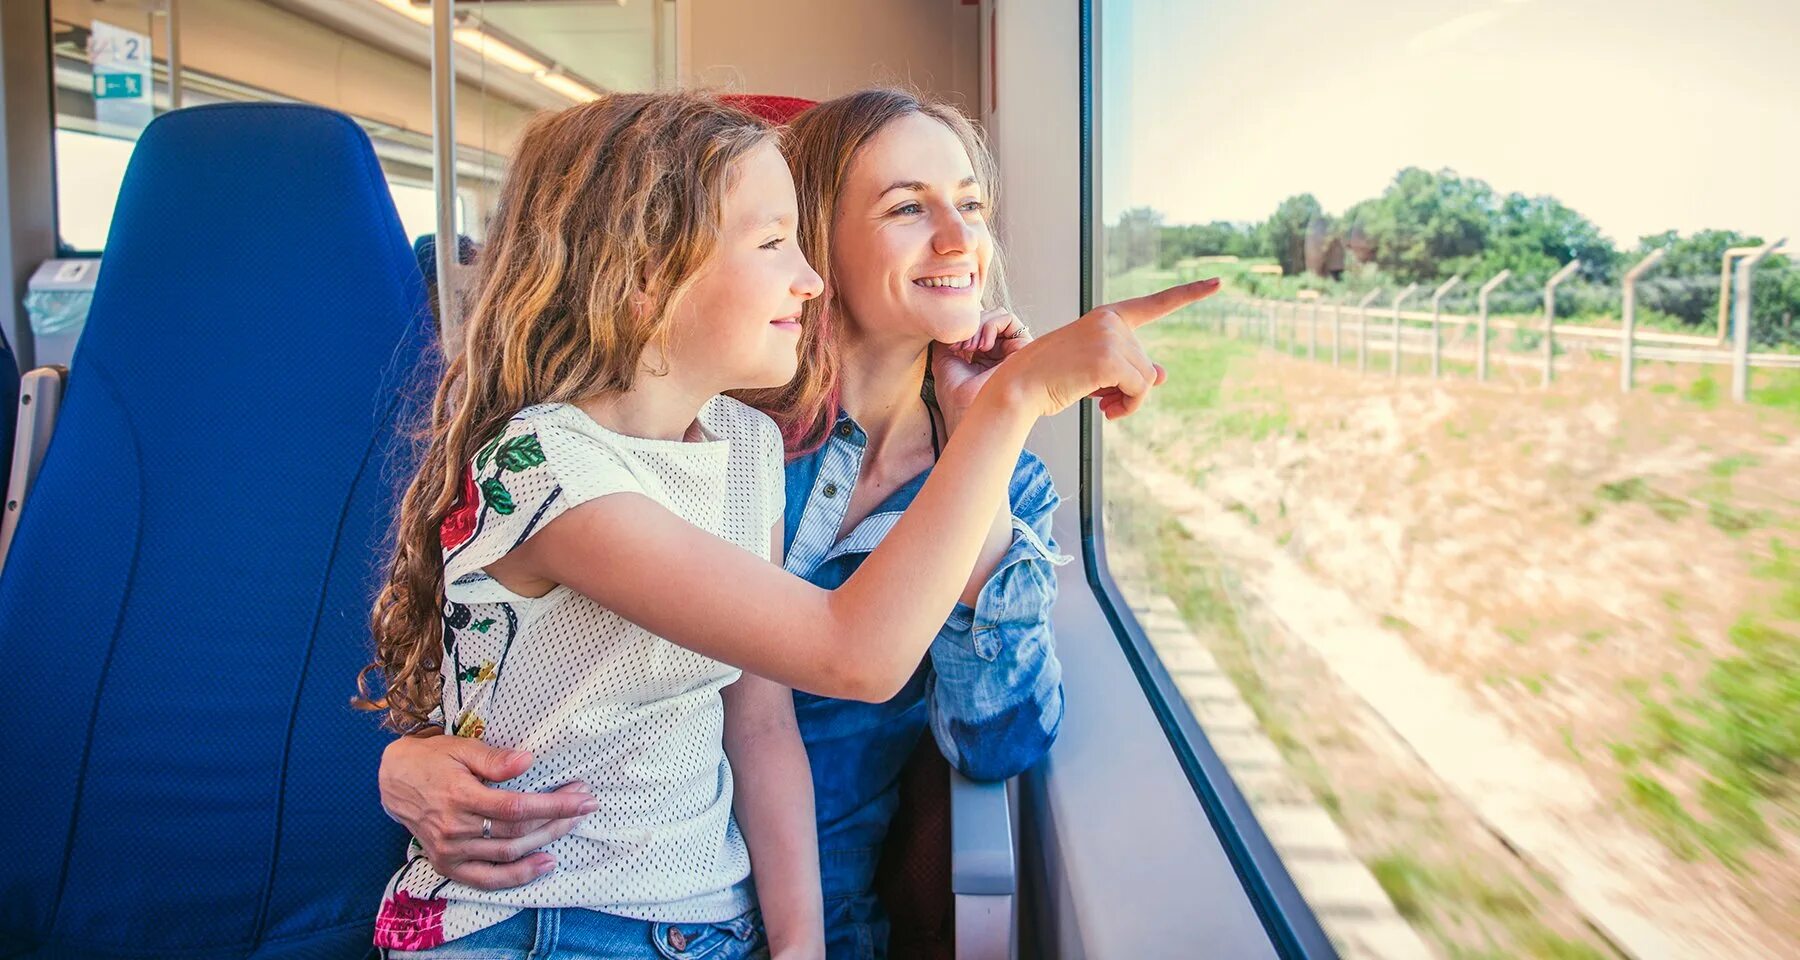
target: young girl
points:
(589, 540)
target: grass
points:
(1740, 730)
(1715, 492)
(1198, 365)
(1704, 391)
(1777, 388)
(1426, 894)
(1569, 744)
(1638, 490)
(1734, 520)
(1399, 625)
(1728, 467)
(1519, 635)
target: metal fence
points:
(1387, 328)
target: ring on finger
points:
(487, 828)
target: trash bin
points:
(57, 300)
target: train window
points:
(1466, 526)
(370, 59)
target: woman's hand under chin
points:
(960, 369)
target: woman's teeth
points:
(960, 280)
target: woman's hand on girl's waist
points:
(436, 786)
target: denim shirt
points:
(990, 688)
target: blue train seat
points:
(187, 597)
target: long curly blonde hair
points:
(608, 212)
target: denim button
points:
(843, 430)
(677, 939)
(830, 489)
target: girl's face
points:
(739, 325)
(910, 245)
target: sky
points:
(1643, 115)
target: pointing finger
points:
(1154, 306)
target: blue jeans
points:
(571, 933)
(856, 928)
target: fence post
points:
(1550, 317)
(1481, 328)
(1726, 262)
(1437, 341)
(1269, 323)
(1362, 330)
(1312, 334)
(1740, 321)
(1628, 316)
(1337, 330)
(1294, 328)
(1394, 367)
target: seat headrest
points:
(771, 107)
(221, 255)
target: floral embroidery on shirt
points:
(469, 725)
(520, 453)
(459, 526)
(496, 495)
(511, 456)
(407, 922)
(478, 674)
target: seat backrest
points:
(913, 876)
(187, 598)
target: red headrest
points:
(774, 109)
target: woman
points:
(896, 199)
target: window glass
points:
(1467, 524)
(367, 58)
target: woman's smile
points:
(953, 283)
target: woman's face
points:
(739, 325)
(910, 244)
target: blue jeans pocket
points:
(739, 938)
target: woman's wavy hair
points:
(608, 212)
(821, 146)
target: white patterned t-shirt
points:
(593, 696)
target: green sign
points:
(118, 86)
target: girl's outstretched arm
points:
(773, 800)
(864, 639)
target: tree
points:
(1534, 236)
(1286, 231)
(1686, 283)
(1132, 242)
(1420, 222)
(1215, 239)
